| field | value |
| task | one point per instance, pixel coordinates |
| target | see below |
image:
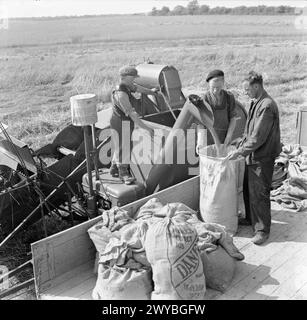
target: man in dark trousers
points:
(260, 146)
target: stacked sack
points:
(122, 267)
(168, 244)
(292, 192)
(171, 249)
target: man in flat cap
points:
(260, 146)
(223, 107)
(124, 104)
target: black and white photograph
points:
(153, 150)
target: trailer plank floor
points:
(272, 271)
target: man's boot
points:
(124, 174)
(260, 237)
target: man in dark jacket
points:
(260, 146)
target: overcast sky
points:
(37, 8)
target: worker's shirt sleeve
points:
(122, 100)
(263, 124)
(144, 90)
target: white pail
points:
(84, 109)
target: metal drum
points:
(165, 78)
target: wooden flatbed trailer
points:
(64, 262)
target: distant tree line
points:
(193, 8)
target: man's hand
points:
(155, 91)
(198, 148)
(226, 142)
(234, 155)
(236, 142)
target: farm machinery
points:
(78, 183)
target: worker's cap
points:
(128, 71)
(214, 74)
